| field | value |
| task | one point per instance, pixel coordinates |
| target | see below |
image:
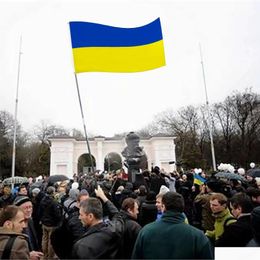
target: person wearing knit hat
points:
(70, 202)
(163, 189)
(19, 200)
(35, 191)
(24, 203)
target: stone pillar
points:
(99, 159)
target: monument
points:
(135, 158)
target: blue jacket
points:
(171, 238)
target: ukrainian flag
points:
(199, 180)
(103, 48)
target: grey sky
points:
(227, 30)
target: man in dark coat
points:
(239, 233)
(170, 237)
(102, 240)
(51, 216)
(25, 204)
(255, 222)
(129, 212)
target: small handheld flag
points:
(103, 48)
(199, 180)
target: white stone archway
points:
(65, 152)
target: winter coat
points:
(220, 219)
(237, 234)
(75, 226)
(20, 249)
(101, 241)
(156, 181)
(131, 230)
(171, 238)
(32, 236)
(50, 212)
(202, 205)
(148, 213)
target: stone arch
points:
(112, 162)
(84, 163)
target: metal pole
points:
(16, 108)
(209, 115)
(84, 125)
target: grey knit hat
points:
(19, 200)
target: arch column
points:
(99, 159)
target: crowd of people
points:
(103, 216)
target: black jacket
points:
(75, 227)
(131, 231)
(101, 241)
(50, 212)
(148, 212)
(237, 234)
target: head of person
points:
(90, 212)
(172, 201)
(22, 190)
(184, 177)
(25, 204)
(255, 221)
(218, 202)
(213, 185)
(35, 192)
(240, 203)
(254, 194)
(7, 190)
(159, 202)
(12, 219)
(50, 191)
(130, 206)
(142, 190)
(83, 195)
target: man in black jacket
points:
(51, 216)
(102, 240)
(25, 204)
(239, 233)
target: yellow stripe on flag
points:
(119, 59)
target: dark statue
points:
(135, 157)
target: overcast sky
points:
(227, 30)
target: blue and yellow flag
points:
(199, 180)
(103, 48)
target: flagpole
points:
(83, 121)
(209, 114)
(16, 109)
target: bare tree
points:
(245, 109)
(222, 113)
(46, 130)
